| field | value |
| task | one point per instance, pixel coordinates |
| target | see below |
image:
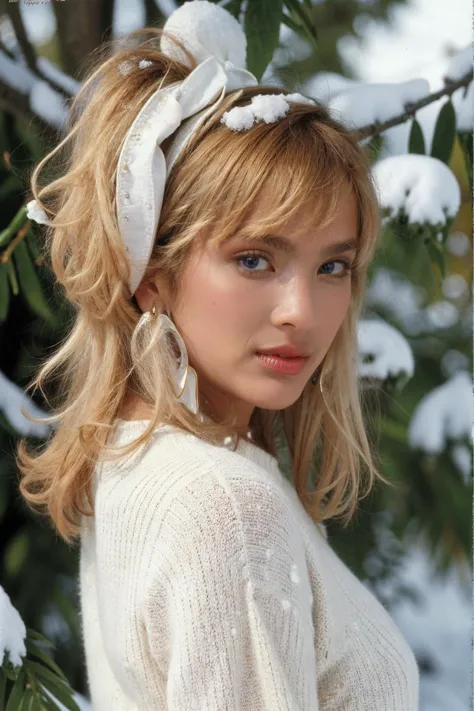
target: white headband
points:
(211, 33)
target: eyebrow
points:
(283, 244)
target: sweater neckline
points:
(246, 448)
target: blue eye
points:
(255, 256)
(348, 267)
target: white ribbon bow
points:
(142, 169)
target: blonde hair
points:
(308, 158)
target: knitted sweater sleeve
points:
(228, 608)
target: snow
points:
(458, 243)
(128, 17)
(12, 400)
(391, 352)
(12, 631)
(422, 38)
(365, 104)
(35, 212)
(452, 361)
(39, 21)
(455, 286)
(326, 85)
(445, 412)
(14, 75)
(52, 71)
(48, 104)
(462, 458)
(424, 186)
(438, 628)
(395, 293)
(441, 314)
(262, 107)
(460, 64)
(463, 102)
(418, 35)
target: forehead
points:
(335, 220)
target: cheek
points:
(337, 306)
(217, 304)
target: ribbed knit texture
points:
(205, 586)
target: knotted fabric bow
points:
(142, 169)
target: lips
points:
(280, 355)
(285, 352)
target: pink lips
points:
(287, 366)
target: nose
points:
(296, 305)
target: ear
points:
(147, 295)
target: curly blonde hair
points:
(309, 158)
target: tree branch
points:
(376, 128)
(13, 10)
(17, 104)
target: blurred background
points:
(412, 545)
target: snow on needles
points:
(390, 351)
(443, 413)
(424, 186)
(12, 631)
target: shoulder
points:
(227, 507)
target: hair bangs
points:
(296, 171)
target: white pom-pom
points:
(206, 30)
(36, 213)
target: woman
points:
(202, 221)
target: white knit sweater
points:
(205, 586)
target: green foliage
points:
(262, 28)
(443, 138)
(38, 683)
(416, 143)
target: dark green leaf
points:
(16, 693)
(34, 634)
(33, 649)
(9, 186)
(63, 692)
(416, 144)
(4, 292)
(12, 278)
(466, 140)
(234, 7)
(436, 256)
(262, 29)
(32, 244)
(30, 284)
(443, 138)
(27, 703)
(305, 19)
(3, 688)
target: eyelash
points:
(349, 266)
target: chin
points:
(276, 400)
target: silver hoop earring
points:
(184, 376)
(315, 378)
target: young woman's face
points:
(228, 310)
